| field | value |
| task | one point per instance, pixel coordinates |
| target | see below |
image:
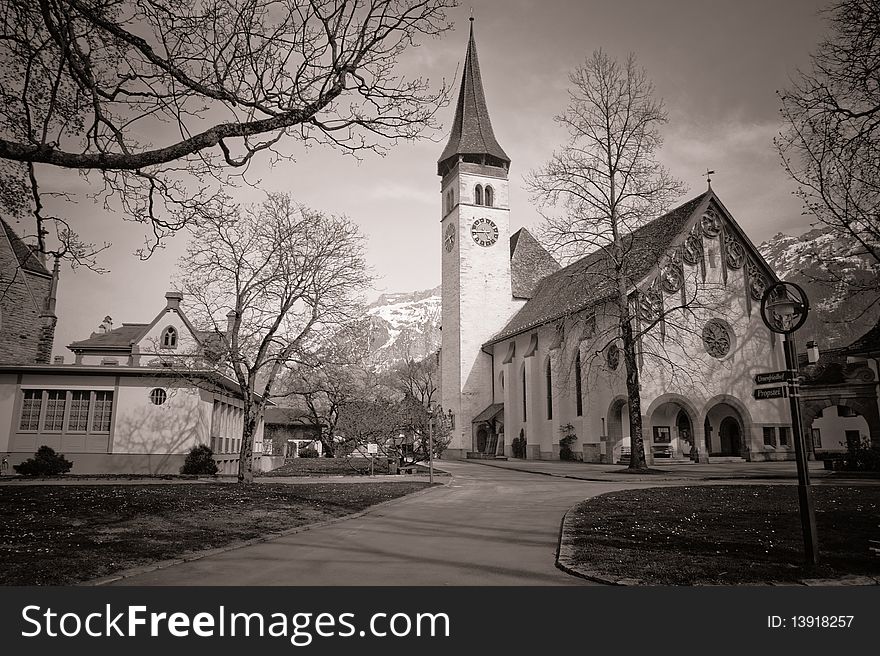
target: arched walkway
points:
(727, 427)
(617, 431)
(815, 409)
(670, 423)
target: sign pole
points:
(431, 448)
(805, 492)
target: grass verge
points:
(727, 535)
(53, 535)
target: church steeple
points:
(472, 138)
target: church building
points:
(529, 354)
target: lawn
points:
(57, 534)
(729, 534)
(330, 467)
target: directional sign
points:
(763, 393)
(772, 377)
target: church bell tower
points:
(475, 243)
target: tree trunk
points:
(246, 455)
(633, 393)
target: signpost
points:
(372, 449)
(772, 377)
(784, 309)
(763, 393)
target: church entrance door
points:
(731, 438)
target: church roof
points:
(472, 130)
(25, 255)
(529, 263)
(586, 281)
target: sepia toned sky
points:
(716, 63)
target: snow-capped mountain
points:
(837, 280)
(403, 326)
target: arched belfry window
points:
(169, 337)
(478, 195)
(578, 386)
(549, 374)
(489, 196)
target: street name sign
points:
(763, 393)
(772, 377)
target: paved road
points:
(489, 527)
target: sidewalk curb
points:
(267, 537)
(565, 562)
(625, 478)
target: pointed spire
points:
(472, 130)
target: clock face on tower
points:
(449, 237)
(484, 232)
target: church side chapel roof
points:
(529, 263)
(585, 282)
(471, 129)
(27, 259)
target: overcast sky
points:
(717, 64)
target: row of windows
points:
(225, 444)
(483, 195)
(770, 436)
(578, 389)
(58, 411)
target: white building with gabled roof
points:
(136, 399)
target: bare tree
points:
(602, 185)
(831, 143)
(329, 378)
(415, 381)
(264, 281)
(159, 98)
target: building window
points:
(578, 386)
(30, 410)
(103, 412)
(80, 401)
(817, 438)
(478, 195)
(549, 390)
(717, 338)
(169, 338)
(770, 436)
(612, 357)
(784, 436)
(56, 400)
(524, 404)
(490, 196)
(158, 396)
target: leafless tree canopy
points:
(602, 184)
(831, 145)
(265, 281)
(159, 96)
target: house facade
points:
(135, 401)
(528, 348)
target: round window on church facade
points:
(158, 396)
(718, 338)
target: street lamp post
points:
(784, 309)
(431, 444)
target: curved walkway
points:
(487, 527)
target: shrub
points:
(199, 460)
(568, 438)
(308, 452)
(861, 456)
(44, 463)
